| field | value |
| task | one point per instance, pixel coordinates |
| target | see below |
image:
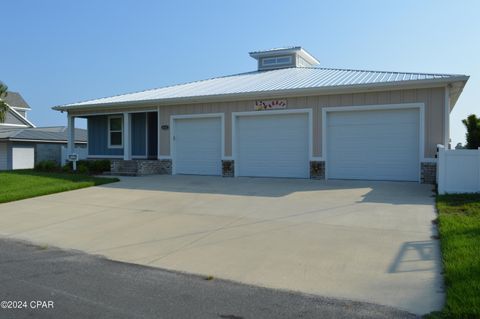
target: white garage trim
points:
(419, 106)
(267, 113)
(193, 116)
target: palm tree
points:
(472, 123)
(3, 104)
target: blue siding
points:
(9, 156)
(139, 131)
(98, 137)
(152, 134)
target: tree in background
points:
(3, 104)
(472, 123)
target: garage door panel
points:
(198, 146)
(272, 145)
(23, 157)
(380, 145)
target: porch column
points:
(70, 134)
(127, 141)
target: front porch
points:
(126, 135)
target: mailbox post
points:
(73, 158)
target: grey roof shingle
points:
(54, 133)
(272, 81)
(14, 99)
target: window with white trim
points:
(115, 131)
(277, 60)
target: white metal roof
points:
(269, 82)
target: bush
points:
(82, 169)
(90, 166)
(100, 166)
(47, 166)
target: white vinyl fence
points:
(81, 151)
(458, 171)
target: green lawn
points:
(459, 225)
(15, 185)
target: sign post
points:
(73, 158)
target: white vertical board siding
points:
(272, 145)
(3, 156)
(197, 146)
(23, 157)
(373, 145)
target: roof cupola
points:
(279, 58)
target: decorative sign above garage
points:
(270, 105)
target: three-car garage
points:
(379, 143)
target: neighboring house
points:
(17, 111)
(22, 144)
(290, 118)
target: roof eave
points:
(10, 139)
(262, 94)
(20, 117)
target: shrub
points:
(82, 169)
(100, 166)
(47, 166)
(92, 166)
(67, 168)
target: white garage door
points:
(272, 145)
(23, 157)
(197, 146)
(373, 145)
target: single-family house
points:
(290, 117)
(22, 144)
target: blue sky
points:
(57, 52)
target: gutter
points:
(357, 88)
(41, 141)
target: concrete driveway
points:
(366, 241)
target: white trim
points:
(14, 125)
(193, 116)
(164, 157)
(316, 159)
(21, 108)
(309, 112)
(21, 116)
(139, 157)
(104, 156)
(113, 112)
(109, 145)
(42, 141)
(446, 117)
(420, 106)
(227, 158)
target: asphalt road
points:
(52, 283)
